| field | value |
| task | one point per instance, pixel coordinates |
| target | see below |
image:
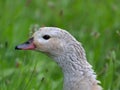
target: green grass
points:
(95, 23)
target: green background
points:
(95, 23)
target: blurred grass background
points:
(95, 23)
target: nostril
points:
(27, 42)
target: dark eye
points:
(46, 37)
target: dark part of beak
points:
(17, 48)
(26, 46)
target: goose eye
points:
(46, 37)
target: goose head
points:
(49, 40)
(68, 53)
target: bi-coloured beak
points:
(29, 45)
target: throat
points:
(73, 65)
(77, 77)
(77, 71)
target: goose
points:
(68, 53)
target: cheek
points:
(40, 46)
(51, 46)
(55, 45)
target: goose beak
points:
(29, 45)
